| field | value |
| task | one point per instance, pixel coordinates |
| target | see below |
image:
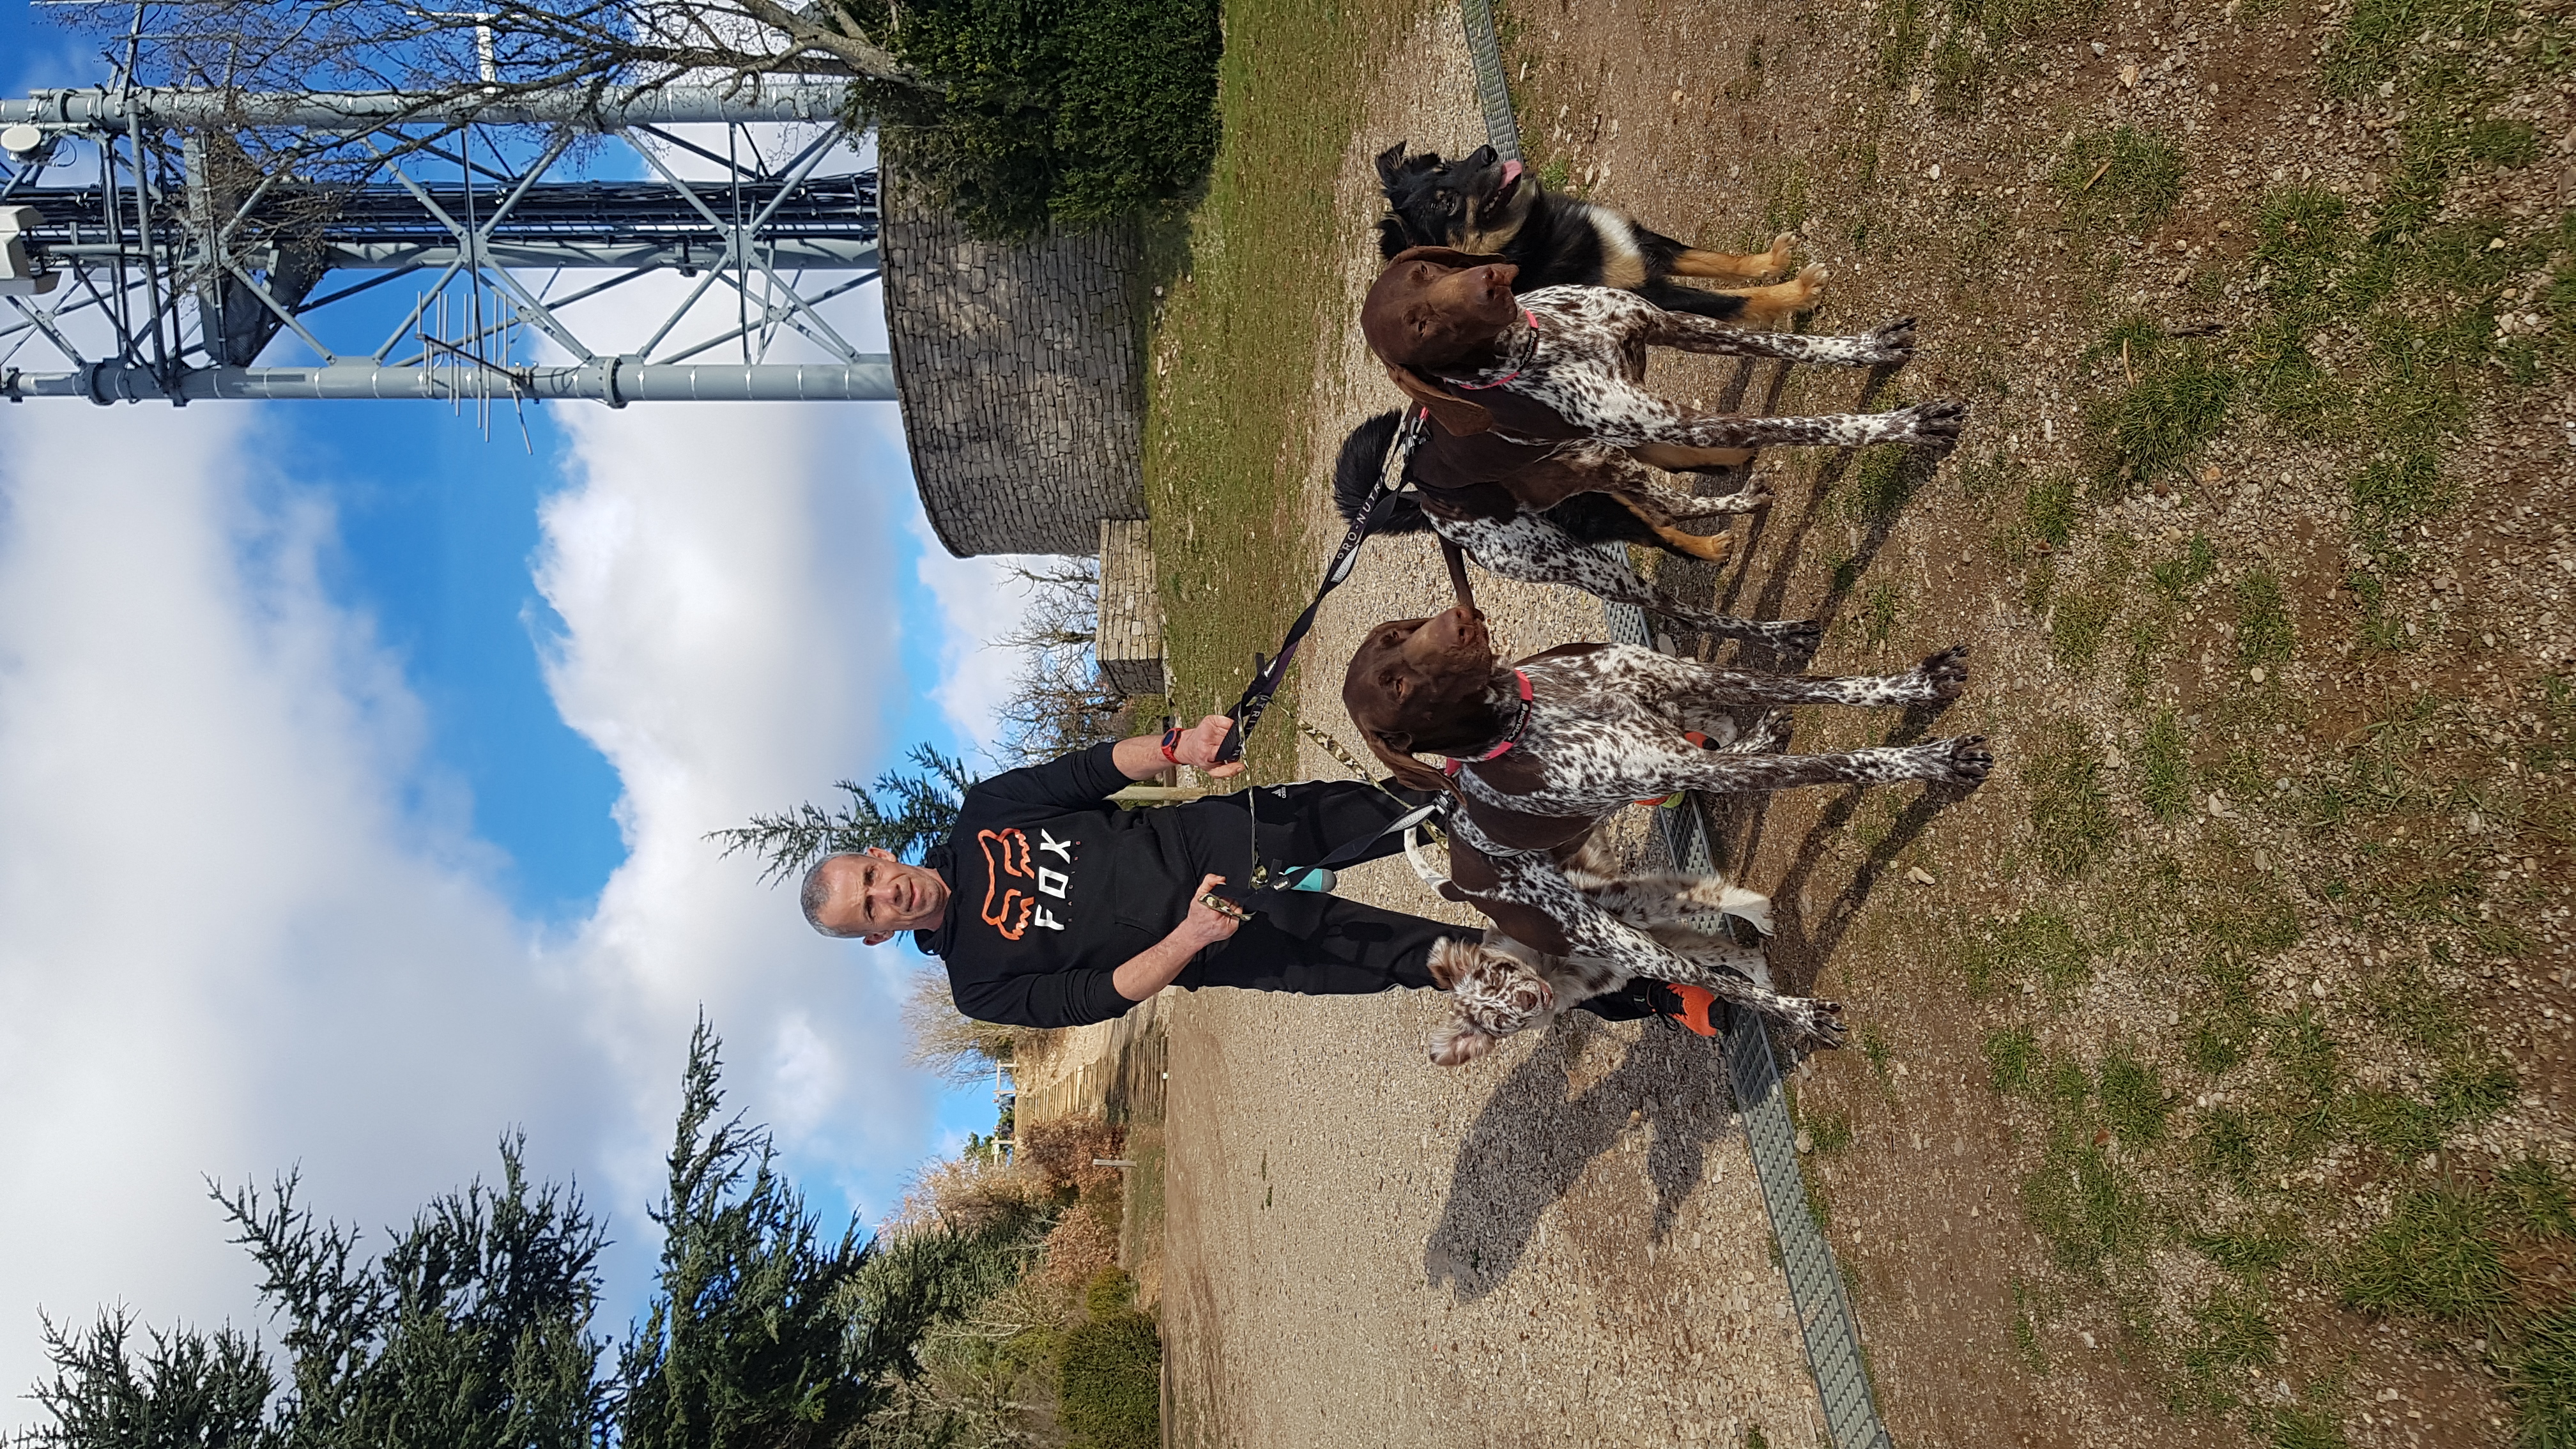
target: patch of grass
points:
(1879, 613)
(2223, 1147)
(2535, 1197)
(1830, 1132)
(2312, 1081)
(1224, 468)
(2250, 1249)
(2038, 945)
(2025, 1328)
(2263, 632)
(2011, 1052)
(2472, 1086)
(2378, 33)
(2435, 1257)
(1875, 1051)
(2230, 1333)
(2543, 1384)
(2164, 767)
(1960, 69)
(2048, 508)
(2070, 810)
(1881, 483)
(2179, 575)
(2088, 1209)
(1900, 45)
(2134, 1101)
(2174, 402)
(2076, 626)
(2294, 1426)
(2119, 179)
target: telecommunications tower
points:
(384, 245)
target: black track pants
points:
(1305, 941)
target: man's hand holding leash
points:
(1144, 757)
(1212, 918)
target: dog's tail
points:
(1363, 460)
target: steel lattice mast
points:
(182, 262)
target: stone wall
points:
(1021, 378)
(1129, 643)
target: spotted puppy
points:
(1542, 752)
(1566, 364)
(1503, 986)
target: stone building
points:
(1021, 372)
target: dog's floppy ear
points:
(1456, 415)
(1408, 771)
(1447, 257)
(1458, 1043)
(1390, 163)
(1451, 958)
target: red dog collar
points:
(1506, 377)
(1456, 763)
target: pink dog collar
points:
(1456, 764)
(1506, 377)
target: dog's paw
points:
(1810, 283)
(1751, 500)
(1938, 421)
(1802, 637)
(1963, 761)
(1945, 674)
(1817, 1020)
(1893, 342)
(1782, 247)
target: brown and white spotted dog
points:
(1542, 752)
(1502, 986)
(1556, 543)
(1563, 365)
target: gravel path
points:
(1563, 1243)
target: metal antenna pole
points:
(191, 271)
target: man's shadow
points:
(1533, 1141)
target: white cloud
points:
(224, 946)
(731, 645)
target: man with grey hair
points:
(1050, 906)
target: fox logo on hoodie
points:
(1014, 884)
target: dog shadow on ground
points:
(1537, 1135)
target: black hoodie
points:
(1052, 889)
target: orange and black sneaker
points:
(1693, 1007)
(1698, 1010)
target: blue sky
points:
(413, 734)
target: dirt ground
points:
(2211, 1071)
(1564, 1245)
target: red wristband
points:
(1171, 737)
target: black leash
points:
(1248, 710)
(1263, 878)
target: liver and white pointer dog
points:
(1564, 365)
(1542, 752)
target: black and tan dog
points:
(1482, 203)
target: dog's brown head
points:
(1423, 684)
(1434, 310)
